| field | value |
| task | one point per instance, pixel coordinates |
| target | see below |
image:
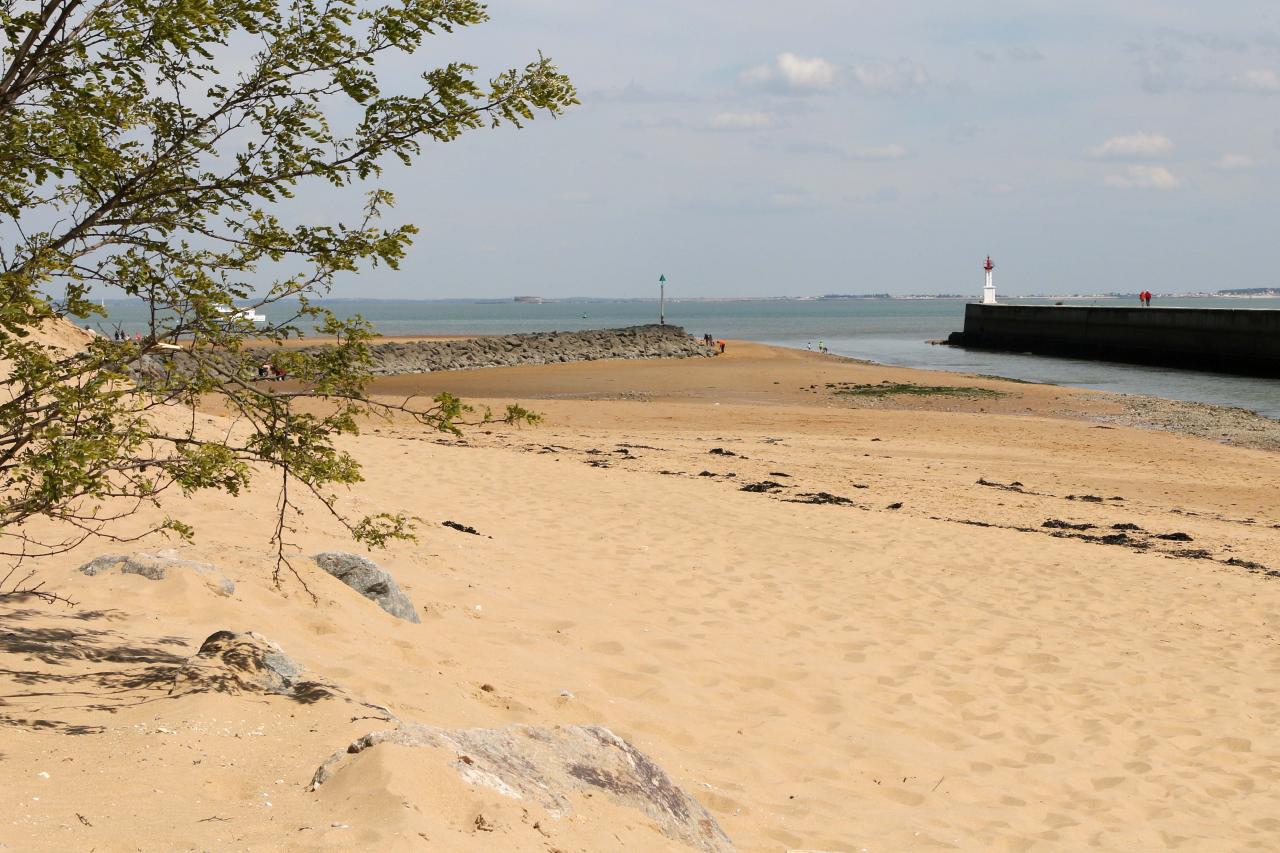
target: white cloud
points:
(1234, 163)
(880, 152)
(740, 121)
(1144, 178)
(793, 72)
(1263, 81)
(885, 78)
(1136, 145)
(815, 73)
(759, 74)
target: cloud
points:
(891, 78)
(1144, 178)
(1135, 145)
(1234, 163)
(814, 73)
(1015, 53)
(1213, 42)
(884, 196)
(740, 121)
(880, 152)
(1025, 54)
(794, 73)
(634, 93)
(892, 151)
(1262, 81)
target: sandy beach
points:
(1000, 618)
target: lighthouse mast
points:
(989, 290)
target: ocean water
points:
(887, 331)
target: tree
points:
(148, 148)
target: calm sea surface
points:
(889, 331)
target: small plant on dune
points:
(149, 150)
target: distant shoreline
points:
(604, 300)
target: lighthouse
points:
(989, 289)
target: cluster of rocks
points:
(425, 356)
(634, 342)
(1225, 424)
(545, 765)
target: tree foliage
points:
(150, 149)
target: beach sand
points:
(922, 665)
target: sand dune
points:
(819, 676)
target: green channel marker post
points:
(662, 300)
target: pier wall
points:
(1243, 341)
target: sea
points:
(887, 331)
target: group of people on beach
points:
(1145, 298)
(709, 341)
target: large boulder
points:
(232, 662)
(546, 766)
(371, 581)
(157, 566)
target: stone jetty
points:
(633, 342)
(395, 358)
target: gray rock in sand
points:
(157, 566)
(545, 765)
(233, 662)
(368, 579)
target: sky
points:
(754, 148)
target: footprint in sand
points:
(901, 795)
(1102, 783)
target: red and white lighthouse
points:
(989, 289)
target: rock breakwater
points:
(633, 342)
(427, 356)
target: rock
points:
(547, 765)
(157, 566)
(368, 579)
(1059, 524)
(231, 662)
(392, 359)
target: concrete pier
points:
(1227, 340)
